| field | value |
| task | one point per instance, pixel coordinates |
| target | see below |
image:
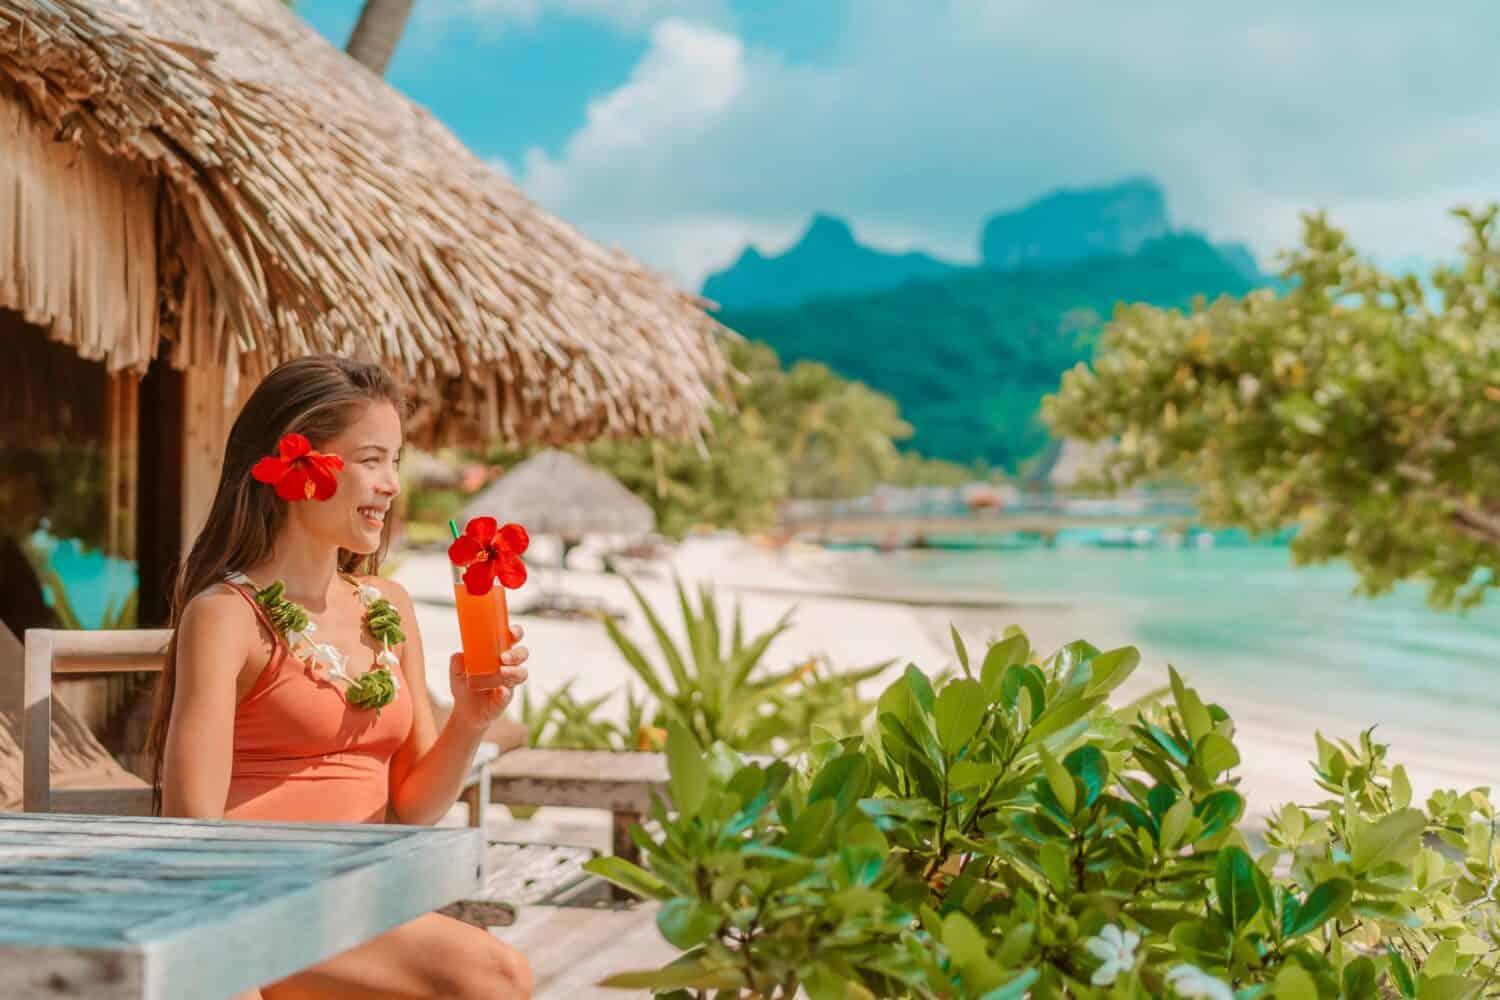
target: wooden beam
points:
(204, 430)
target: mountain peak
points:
(1073, 224)
(827, 231)
(826, 261)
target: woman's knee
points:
(498, 972)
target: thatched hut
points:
(192, 191)
(555, 493)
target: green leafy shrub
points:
(1008, 833)
(716, 686)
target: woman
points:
(295, 685)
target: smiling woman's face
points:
(354, 516)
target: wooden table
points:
(134, 908)
(618, 782)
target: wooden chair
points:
(50, 653)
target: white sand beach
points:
(835, 615)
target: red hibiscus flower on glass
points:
(298, 472)
(490, 551)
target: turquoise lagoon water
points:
(1244, 618)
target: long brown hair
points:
(317, 396)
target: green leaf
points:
(843, 780)
(1294, 983)
(686, 923)
(1215, 754)
(1059, 715)
(811, 829)
(1359, 979)
(1088, 765)
(962, 939)
(1234, 885)
(909, 810)
(669, 649)
(1219, 811)
(1320, 906)
(1061, 783)
(688, 773)
(959, 713)
(699, 974)
(1110, 670)
(1015, 989)
(628, 876)
(1018, 677)
(921, 688)
(1392, 838)
(963, 653)
(1194, 716)
(1450, 988)
(1054, 863)
(1174, 824)
(973, 774)
(1400, 787)
(1399, 971)
(1002, 654)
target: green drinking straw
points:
(453, 527)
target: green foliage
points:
(1357, 408)
(715, 685)
(969, 358)
(432, 506)
(1008, 833)
(562, 720)
(798, 432)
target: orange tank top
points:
(304, 754)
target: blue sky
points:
(683, 129)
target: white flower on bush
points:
(1191, 981)
(1116, 949)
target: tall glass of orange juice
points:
(484, 626)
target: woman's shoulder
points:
(389, 589)
(218, 612)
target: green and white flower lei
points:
(376, 687)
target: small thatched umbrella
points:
(555, 493)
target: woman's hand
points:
(477, 709)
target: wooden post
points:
(205, 427)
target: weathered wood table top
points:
(152, 909)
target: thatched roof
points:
(555, 493)
(227, 181)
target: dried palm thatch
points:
(212, 174)
(555, 493)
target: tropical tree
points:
(1360, 407)
(377, 33)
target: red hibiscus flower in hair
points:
(298, 472)
(490, 551)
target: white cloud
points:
(932, 116)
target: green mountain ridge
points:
(969, 355)
(826, 260)
(1070, 225)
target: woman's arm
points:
(213, 646)
(428, 771)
